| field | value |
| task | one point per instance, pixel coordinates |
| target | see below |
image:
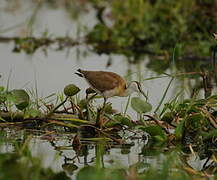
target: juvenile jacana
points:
(109, 84)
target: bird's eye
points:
(138, 85)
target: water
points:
(57, 152)
(52, 72)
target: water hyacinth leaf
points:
(20, 98)
(140, 106)
(155, 132)
(71, 90)
(127, 122)
(123, 120)
(90, 91)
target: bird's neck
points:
(128, 91)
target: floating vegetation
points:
(29, 45)
(190, 123)
(192, 120)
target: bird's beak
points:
(143, 93)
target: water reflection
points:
(57, 152)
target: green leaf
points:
(1, 119)
(71, 90)
(82, 103)
(168, 117)
(91, 172)
(140, 106)
(156, 132)
(20, 98)
(2, 88)
(32, 113)
(210, 134)
(195, 120)
(123, 120)
(159, 138)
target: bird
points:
(109, 84)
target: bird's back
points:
(104, 81)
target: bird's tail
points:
(79, 73)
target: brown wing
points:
(102, 80)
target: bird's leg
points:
(88, 100)
(100, 116)
(104, 104)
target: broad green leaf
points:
(20, 98)
(140, 106)
(123, 120)
(155, 132)
(71, 90)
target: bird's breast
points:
(111, 93)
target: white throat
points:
(133, 87)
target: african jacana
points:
(109, 84)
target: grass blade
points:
(164, 95)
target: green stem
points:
(55, 108)
(127, 105)
(164, 95)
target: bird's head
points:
(135, 86)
